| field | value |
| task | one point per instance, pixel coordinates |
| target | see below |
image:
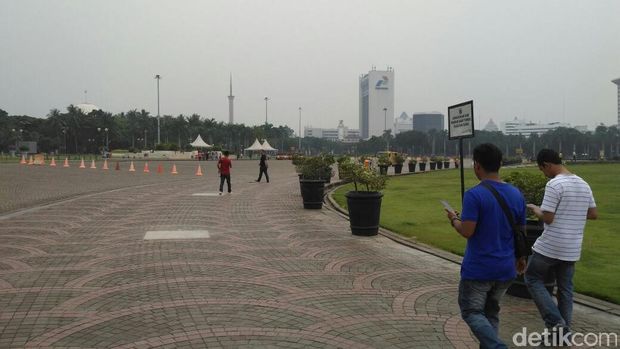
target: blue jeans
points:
(479, 303)
(538, 268)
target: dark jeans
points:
(222, 178)
(538, 268)
(479, 303)
(260, 174)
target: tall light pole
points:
(99, 131)
(107, 142)
(144, 138)
(266, 99)
(64, 132)
(387, 139)
(157, 77)
(300, 129)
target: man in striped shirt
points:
(568, 202)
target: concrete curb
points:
(578, 298)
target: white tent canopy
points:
(267, 147)
(255, 146)
(199, 143)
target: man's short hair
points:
(548, 155)
(225, 152)
(488, 156)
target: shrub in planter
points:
(314, 172)
(439, 162)
(423, 163)
(364, 203)
(411, 164)
(446, 163)
(433, 162)
(532, 186)
(399, 161)
(384, 162)
(342, 168)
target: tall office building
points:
(425, 122)
(376, 94)
(617, 82)
(231, 98)
(402, 124)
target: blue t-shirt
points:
(489, 254)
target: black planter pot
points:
(383, 169)
(422, 166)
(411, 167)
(364, 212)
(446, 164)
(433, 165)
(439, 165)
(518, 288)
(398, 168)
(312, 191)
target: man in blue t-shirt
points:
(489, 264)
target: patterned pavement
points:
(76, 272)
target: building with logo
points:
(376, 102)
(617, 82)
(403, 123)
(425, 122)
(526, 128)
(341, 133)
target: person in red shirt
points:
(223, 167)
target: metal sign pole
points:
(462, 170)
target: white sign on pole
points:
(461, 120)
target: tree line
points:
(75, 132)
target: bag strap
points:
(502, 203)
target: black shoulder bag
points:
(520, 238)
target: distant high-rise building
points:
(376, 102)
(491, 126)
(617, 82)
(231, 98)
(403, 123)
(425, 122)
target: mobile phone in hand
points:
(446, 205)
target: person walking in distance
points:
(223, 167)
(489, 264)
(263, 167)
(567, 204)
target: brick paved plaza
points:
(76, 271)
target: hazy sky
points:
(538, 60)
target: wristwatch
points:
(455, 218)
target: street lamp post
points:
(387, 139)
(64, 132)
(300, 129)
(144, 138)
(157, 77)
(107, 142)
(266, 99)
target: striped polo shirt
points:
(569, 197)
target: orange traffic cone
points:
(66, 164)
(92, 165)
(146, 167)
(118, 166)
(174, 169)
(160, 169)
(105, 164)
(23, 160)
(82, 164)
(53, 163)
(31, 161)
(42, 162)
(131, 168)
(199, 171)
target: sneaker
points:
(220, 193)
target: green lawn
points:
(411, 208)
